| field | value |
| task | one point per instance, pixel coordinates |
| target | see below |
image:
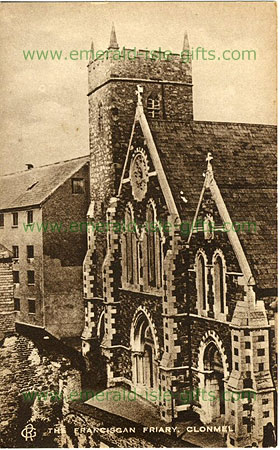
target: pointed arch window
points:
(153, 106)
(219, 284)
(154, 249)
(130, 250)
(201, 282)
(151, 247)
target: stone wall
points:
(27, 367)
(64, 251)
(7, 315)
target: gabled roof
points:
(244, 164)
(32, 187)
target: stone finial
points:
(186, 45)
(113, 39)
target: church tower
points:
(113, 77)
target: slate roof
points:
(32, 187)
(244, 164)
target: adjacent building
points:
(7, 315)
(180, 290)
(42, 222)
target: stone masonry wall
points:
(7, 315)
(64, 252)
(27, 367)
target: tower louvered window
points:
(153, 107)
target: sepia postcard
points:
(138, 225)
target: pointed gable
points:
(245, 171)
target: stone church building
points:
(180, 276)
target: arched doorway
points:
(214, 381)
(144, 355)
(213, 374)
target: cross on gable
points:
(209, 165)
(139, 91)
(209, 158)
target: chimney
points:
(29, 166)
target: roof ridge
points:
(44, 165)
(235, 123)
(216, 122)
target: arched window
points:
(129, 250)
(219, 283)
(158, 259)
(129, 246)
(153, 106)
(154, 249)
(101, 327)
(201, 275)
(151, 247)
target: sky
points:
(44, 105)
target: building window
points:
(29, 216)
(16, 304)
(30, 251)
(261, 367)
(260, 338)
(31, 306)
(153, 107)
(1, 220)
(248, 359)
(266, 414)
(151, 247)
(15, 219)
(260, 352)
(219, 283)
(236, 366)
(236, 353)
(247, 383)
(247, 345)
(235, 338)
(154, 249)
(130, 250)
(16, 276)
(201, 276)
(265, 401)
(78, 186)
(15, 252)
(30, 277)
